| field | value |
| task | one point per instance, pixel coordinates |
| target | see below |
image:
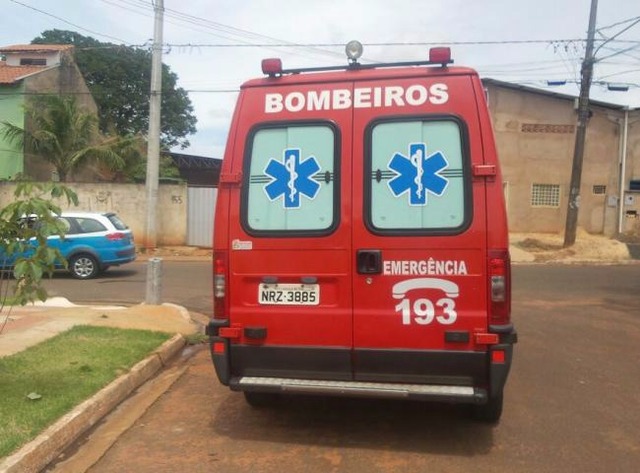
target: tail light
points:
(499, 272)
(220, 272)
(116, 236)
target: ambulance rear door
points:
(419, 234)
(290, 240)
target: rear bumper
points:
(123, 256)
(449, 376)
(128, 254)
(443, 393)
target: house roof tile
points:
(12, 74)
(35, 48)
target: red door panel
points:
(429, 293)
(292, 230)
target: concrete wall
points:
(535, 136)
(631, 208)
(129, 202)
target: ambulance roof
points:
(356, 74)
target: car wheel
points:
(83, 266)
(256, 399)
(490, 412)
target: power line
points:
(624, 53)
(634, 22)
(224, 31)
(618, 24)
(394, 44)
(619, 73)
(141, 7)
(139, 4)
(65, 21)
(144, 11)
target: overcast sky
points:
(202, 40)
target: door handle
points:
(369, 261)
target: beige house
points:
(535, 134)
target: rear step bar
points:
(461, 394)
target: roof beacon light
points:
(440, 55)
(353, 49)
(272, 67)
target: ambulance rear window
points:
(417, 176)
(291, 180)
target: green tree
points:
(66, 136)
(119, 79)
(32, 202)
(133, 167)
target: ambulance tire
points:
(257, 399)
(490, 412)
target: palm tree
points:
(66, 136)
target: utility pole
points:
(153, 139)
(581, 131)
(152, 295)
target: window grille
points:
(546, 128)
(545, 195)
(599, 190)
(33, 62)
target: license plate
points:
(289, 294)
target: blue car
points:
(93, 242)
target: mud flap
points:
(220, 357)
(499, 371)
(219, 351)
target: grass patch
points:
(196, 338)
(64, 371)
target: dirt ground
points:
(544, 247)
(525, 247)
(177, 251)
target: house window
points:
(545, 195)
(599, 189)
(546, 128)
(27, 61)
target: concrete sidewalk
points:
(34, 323)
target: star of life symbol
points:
(292, 178)
(418, 174)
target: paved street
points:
(571, 402)
(186, 283)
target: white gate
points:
(201, 203)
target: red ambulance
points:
(361, 244)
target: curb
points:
(184, 313)
(38, 453)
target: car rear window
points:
(65, 224)
(89, 225)
(115, 220)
